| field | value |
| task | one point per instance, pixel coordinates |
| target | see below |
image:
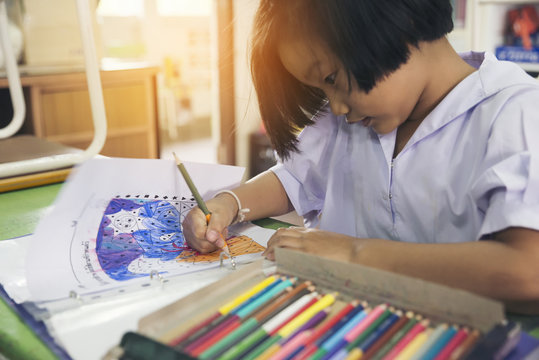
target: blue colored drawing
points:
(137, 229)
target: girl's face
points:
(392, 101)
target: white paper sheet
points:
(116, 221)
(13, 267)
(88, 330)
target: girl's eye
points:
(331, 79)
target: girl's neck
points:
(445, 69)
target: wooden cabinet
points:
(59, 110)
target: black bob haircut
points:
(371, 38)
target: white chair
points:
(52, 162)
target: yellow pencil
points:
(200, 202)
(414, 345)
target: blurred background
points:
(175, 73)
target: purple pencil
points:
(315, 320)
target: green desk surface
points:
(20, 212)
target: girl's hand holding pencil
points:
(211, 235)
(203, 235)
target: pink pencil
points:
(414, 331)
(448, 349)
(298, 340)
(362, 325)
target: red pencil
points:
(215, 338)
(210, 334)
(194, 329)
(385, 338)
(465, 346)
(455, 341)
(311, 348)
(410, 335)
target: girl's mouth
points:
(366, 121)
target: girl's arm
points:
(263, 195)
(505, 268)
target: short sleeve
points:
(304, 174)
(507, 189)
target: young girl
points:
(411, 158)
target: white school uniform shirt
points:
(470, 169)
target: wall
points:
(247, 115)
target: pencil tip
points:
(176, 157)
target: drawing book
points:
(117, 223)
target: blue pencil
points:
(328, 345)
(372, 338)
(340, 324)
(380, 330)
(256, 296)
(439, 344)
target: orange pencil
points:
(465, 346)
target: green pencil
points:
(398, 335)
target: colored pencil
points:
(406, 339)
(360, 333)
(434, 336)
(379, 331)
(299, 320)
(235, 336)
(386, 336)
(373, 337)
(282, 301)
(341, 323)
(357, 332)
(311, 323)
(335, 322)
(412, 321)
(413, 346)
(465, 346)
(291, 345)
(221, 312)
(333, 339)
(439, 344)
(197, 347)
(201, 336)
(297, 313)
(263, 332)
(452, 344)
(339, 334)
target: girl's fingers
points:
(290, 238)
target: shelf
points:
(531, 67)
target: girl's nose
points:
(338, 107)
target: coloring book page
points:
(117, 223)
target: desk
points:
(19, 214)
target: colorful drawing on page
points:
(238, 245)
(139, 236)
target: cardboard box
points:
(436, 302)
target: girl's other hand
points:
(206, 237)
(316, 242)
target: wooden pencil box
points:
(436, 302)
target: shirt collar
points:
(491, 76)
